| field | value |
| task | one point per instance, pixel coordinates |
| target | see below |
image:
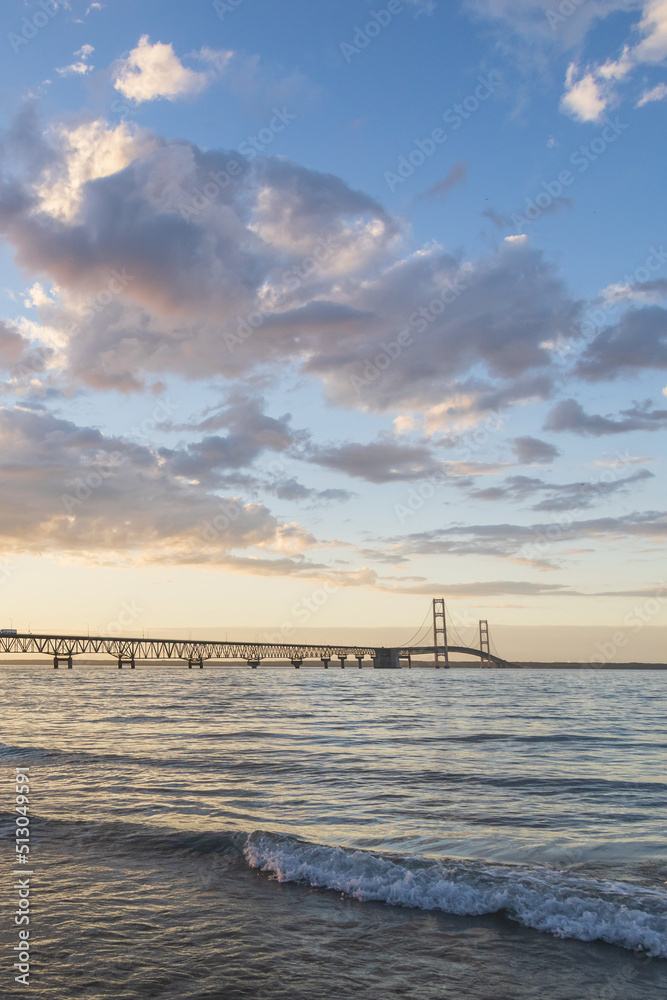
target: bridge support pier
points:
(326, 660)
(253, 664)
(342, 662)
(386, 659)
(196, 661)
(360, 661)
(56, 661)
(126, 660)
(296, 662)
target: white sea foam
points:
(567, 906)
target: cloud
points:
(640, 291)
(456, 175)
(251, 432)
(71, 489)
(12, 345)
(79, 68)
(541, 22)
(151, 72)
(585, 98)
(657, 93)
(535, 544)
(560, 496)
(531, 29)
(235, 263)
(490, 317)
(381, 461)
(653, 27)
(638, 341)
(532, 451)
(513, 488)
(291, 489)
(85, 153)
(589, 94)
(579, 496)
(569, 415)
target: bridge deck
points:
(196, 649)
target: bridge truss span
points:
(196, 652)
(171, 649)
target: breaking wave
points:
(558, 903)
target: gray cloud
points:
(381, 461)
(12, 346)
(513, 488)
(569, 415)
(577, 496)
(658, 286)
(497, 314)
(560, 496)
(70, 489)
(532, 451)
(637, 341)
(23, 146)
(535, 544)
(291, 489)
(251, 432)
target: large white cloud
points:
(166, 258)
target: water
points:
(492, 835)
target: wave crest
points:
(567, 906)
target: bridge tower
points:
(440, 633)
(484, 643)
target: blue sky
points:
(370, 296)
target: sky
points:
(313, 312)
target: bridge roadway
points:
(195, 651)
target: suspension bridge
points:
(126, 652)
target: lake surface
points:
(228, 833)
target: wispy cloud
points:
(82, 67)
(456, 175)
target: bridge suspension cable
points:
(456, 632)
(410, 642)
